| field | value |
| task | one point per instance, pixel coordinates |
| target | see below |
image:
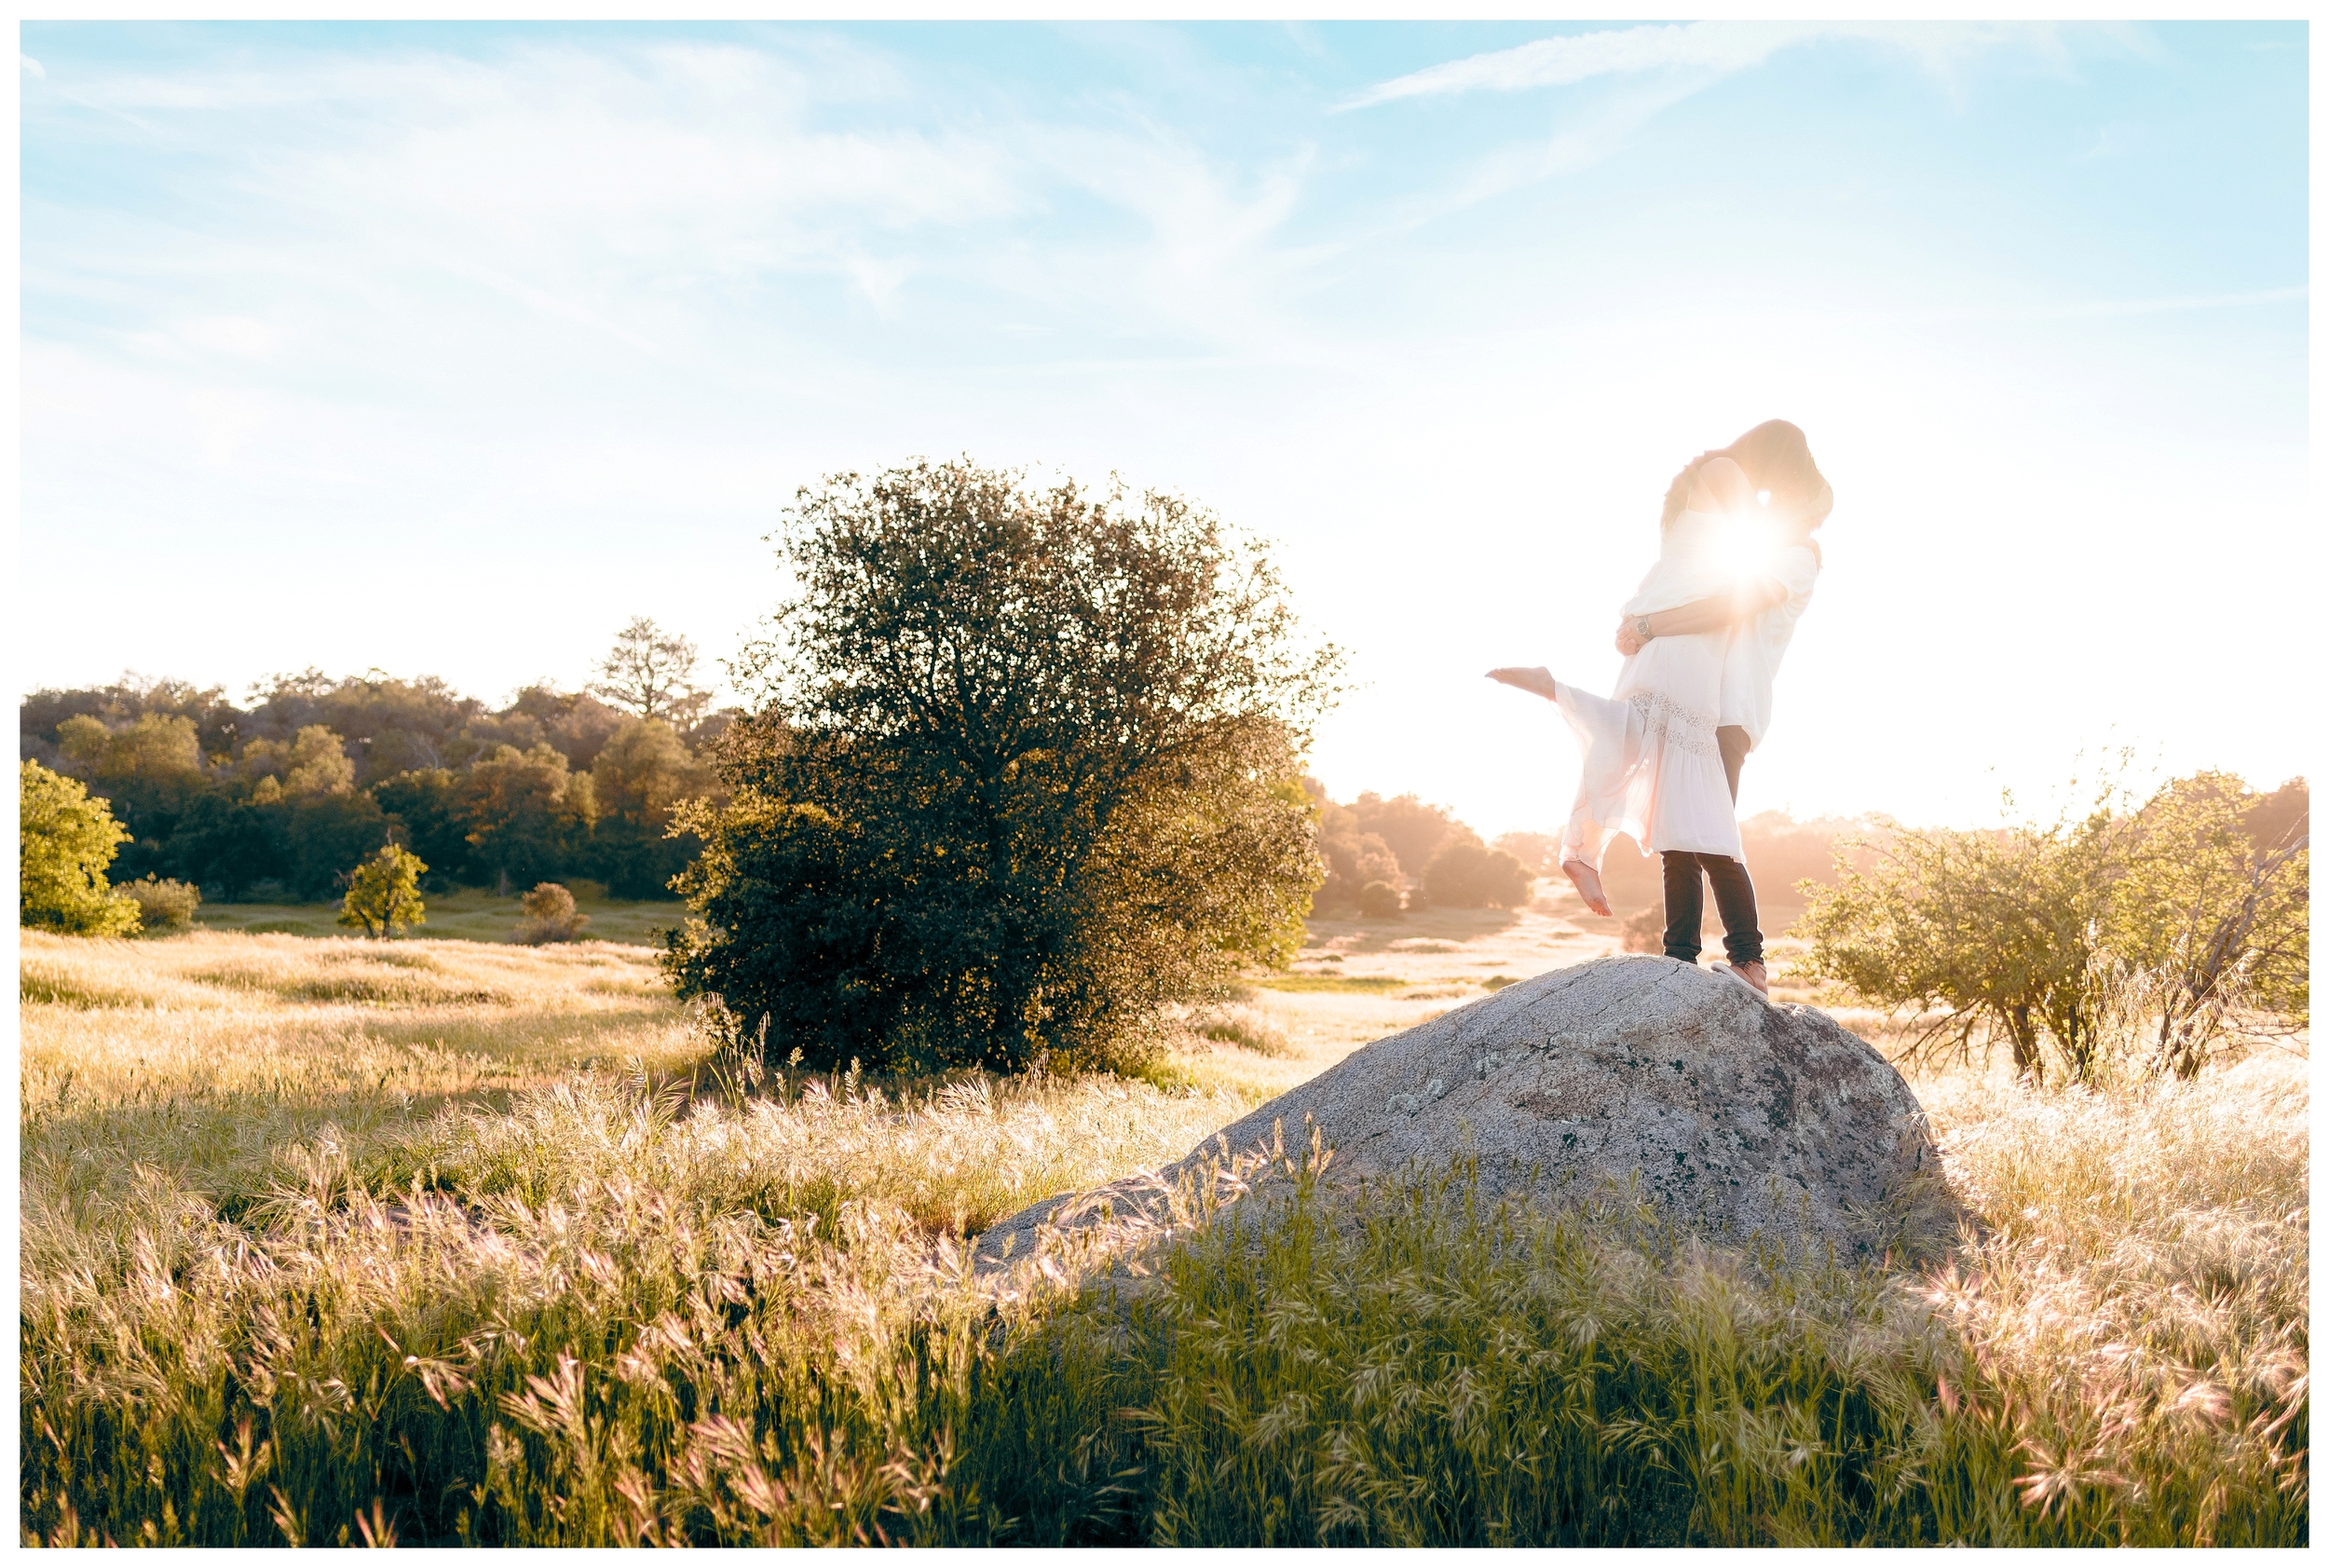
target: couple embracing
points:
(1702, 636)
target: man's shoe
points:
(1752, 975)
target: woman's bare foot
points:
(1588, 883)
(1538, 679)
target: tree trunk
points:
(2025, 1046)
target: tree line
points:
(281, 796)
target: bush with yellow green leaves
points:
(67, 840)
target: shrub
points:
(1466, 876)
(66, 841)
(2213, 920)
(1378, 901)
(164, 905)
(1241, 1024)
(1645, 930)
(1035, 779)
(1996, 929)
(2041, 934)
(384, 893)
(550, 916)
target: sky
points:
(448, 348)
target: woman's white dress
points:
(1652, 767)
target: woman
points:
(1703, 636)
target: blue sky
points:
(448, 348)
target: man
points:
(1761, 616)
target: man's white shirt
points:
(1751, 660)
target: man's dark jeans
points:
(1734, 890)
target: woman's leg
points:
(1685, 903)
(1734, 899)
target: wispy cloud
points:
(1659, 66)
(1709, 49)
(1721, 46)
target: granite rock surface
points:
(1734, 1116)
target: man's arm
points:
(1716, 614)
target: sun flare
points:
(1747, 543)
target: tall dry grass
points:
(328, 1242)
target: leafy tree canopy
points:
(652, 673)
(384, 893)
(1036, 773)
(66, 842)
(526, 808)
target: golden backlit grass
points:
(330, 1241)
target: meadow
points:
(327, 1241)
(466, 914)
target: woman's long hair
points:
(1776, 457)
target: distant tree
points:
(390, 725)
(384, 893)
(163, 905)
(216, 721)
(227, 844)
(1038, 775)
(66, 842)
(642, 775)
(425, 803)
(550, 916)
(313, 763)
(1353, 860)
(155, 761)
(2275, 817)
(1466, 876)
(325, 834)
(652, 673)
(644, 771)
(527, 812)
(1414, 831)
(575, 723)
(149, 772)
(1538, 853)
(1378, 901)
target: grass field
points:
(471, 915)
(328, 1241)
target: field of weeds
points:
(330, 1242)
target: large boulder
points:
(1735, 1117)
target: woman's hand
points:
(1629, 642)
